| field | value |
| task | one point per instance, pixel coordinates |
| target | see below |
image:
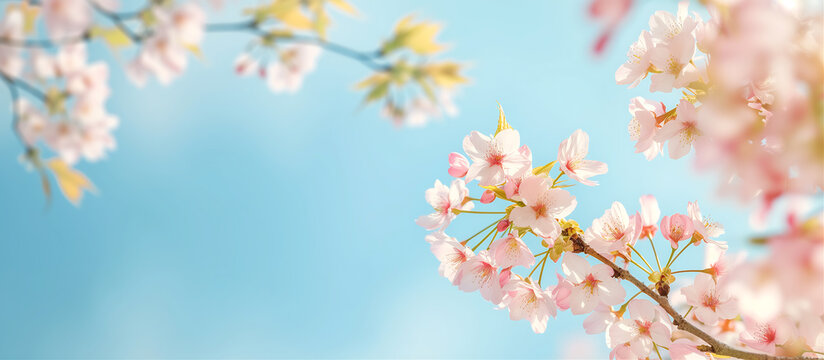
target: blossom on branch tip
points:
(449, 252)
(510, 251)
(710, 301)
(649, 215)
(612, 232)
(591, 285)
(494, 158)
(644, 126)
(542, 206)
(676, 228)
(479, 272)
(528, 301)
(286, 75)
(705, 229)
(571, 159)
(444, 199)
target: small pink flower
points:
(571, 154)
(487, 197)
(707, 228)
(444, 199)
(480, 273)
(599, 320)
(502, 225)
(450, 253)
(676, 228)
(638, 62)
(561, 292)
(644, 126)
(528, 301)
(649, 215)
(458, 165)
(246, 65)
(494, 158)
(613, 231)
(646, 324)
(591, 285)
(685, 349)
(543, 206)
(681, 132)
(764, 336)
(710, 301)
(510, 251)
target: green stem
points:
(541, 274)
(640, 267)
(670, 258)
(641, 256)
(652, 243)
(687, 313)
(458, 211)
(484, 229)
(484, 239)
(676, 256)
(686, 271)
(556, 178)
(536, 266)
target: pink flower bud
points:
(487, 197)
(676, 228)
(458, 165)
(502, 225)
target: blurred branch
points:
(714, 345)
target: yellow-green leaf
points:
(543, 169)
(446, 74)
(502, 124)
(113, 36)
(71, 182)
(345, 7)
(377, 92)
(498, 191)
(420, 37)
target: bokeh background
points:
(233, 222)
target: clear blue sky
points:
(233, 222)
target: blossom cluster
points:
(751, 103)
(734, 309)
(59, 95)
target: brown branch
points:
(714, 345)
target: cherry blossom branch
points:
(714, 345)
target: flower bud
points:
(487, 197)
(502, 225)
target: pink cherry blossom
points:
(613, 231)
(528, 301)
(645, 325)
(11, 28)
(710, 301)
(591, 285)
(764, 336)
(444, 199)
(449, 252)
(561, 292)
(494, 158)
(295, 62)
(487, 197)
(458, 165)
(66, 17)
(665, 26)
(32, 123)
(706, 228)
(674, 60)
(649, 215)
(510, 251)
(599, 320)
(643, 126)
(676, 228)
(543, 206)
(480, 273)
(502, 225)
(685, 349)
(681, 132)
(571, 160)
(246, 65)
(609, 12)
(638, 62)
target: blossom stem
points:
(714, 345)
(541, 274)
(655, 346)
(640, 267)
(484, 229)
(652, 243)
(641, 256)
(540, 253)
(458, 211)
(669, 263)
(686, 271)
(670, 258)
(484, 239)
(688, 312)
(556, 178)
(536, 266)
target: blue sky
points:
(233, 222)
